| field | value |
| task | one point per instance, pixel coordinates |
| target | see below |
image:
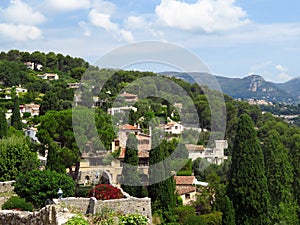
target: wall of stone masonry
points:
(46, 216)
(6, 186)
(129, 205)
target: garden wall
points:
(46, 216)
(6, 186)
(129, 205)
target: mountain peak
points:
(254, 77)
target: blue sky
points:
(234, 38)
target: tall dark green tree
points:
(130, 177)
(248, 189)
(3, 124)
(162, 185)
(280, 178)
(228, 217)
(16, 117)
(295, 160)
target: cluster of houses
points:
(185, 185)
(92, 165)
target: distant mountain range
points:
(250, 87)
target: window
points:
(187, 196)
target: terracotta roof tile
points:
(191, 147)
(181, 190)
(128, 127)
(184, 180)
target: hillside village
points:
(49, 116)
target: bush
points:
(214, 218)
(16, 202)
(77, 220)
(194, 220)
(106, 192)
(82, 191)
(40, 186)
(183, 212)
(133, 219)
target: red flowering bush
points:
(105, 192)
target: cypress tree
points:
(295, 160)
(228, 217)
(156, 174)
(280, 177)
(130, 174)
(248, 189)
(16, 117)
(162, 185)
(3, 124)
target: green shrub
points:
(39, 186)
(133, 219)
(183, 212)
(77, 220)
(194, 220)
(214, 218)
(16, 202)
(82, 191)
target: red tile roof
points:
(181, 190)
(128, 127)
(184, 180)
(191, 147)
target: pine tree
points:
(131, 181)
(280, 177)
(16, 117)
(248, 189)
(3, 124)
(228, 217)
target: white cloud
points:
(86, 31)
(206, 15)
(281, 68)
(19, 12)
(103, 20)
(19, 22)
(20, 32)
(104, 6)
(67, 5)
(135, 22)
(284, 77)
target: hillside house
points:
(186, 187)
(31, 133)
(129, 97)
(122, 110)
(213, 155)
(33, 109)
(173, 128)
(49, 76)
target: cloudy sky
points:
(234, 38)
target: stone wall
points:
(46, 216)
(129, 205)
(6, 186)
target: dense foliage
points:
(41, 186)
(17, 203)
(130, 176)
(248, 187)
(16, 156)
